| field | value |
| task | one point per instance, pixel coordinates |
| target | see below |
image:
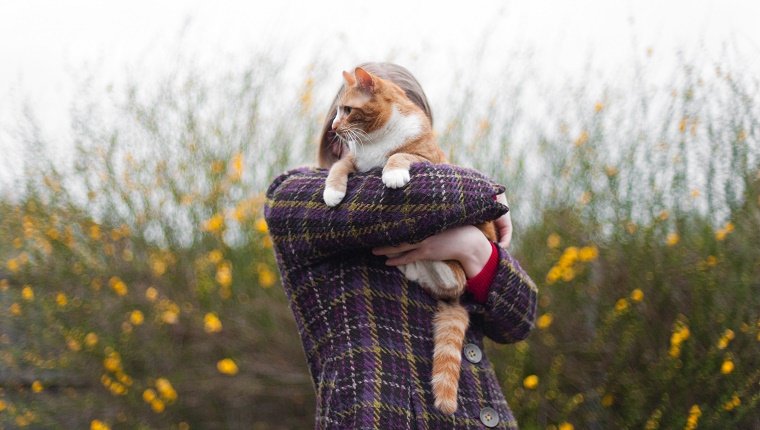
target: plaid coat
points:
(366, 330)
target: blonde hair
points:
(388, 71)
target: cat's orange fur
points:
(384, 128)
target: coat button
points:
(472, 353)
(489, 417)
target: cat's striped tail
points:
(449, 327)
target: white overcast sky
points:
(41, 42)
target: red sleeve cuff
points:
(480, 284)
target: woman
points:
(366, 330)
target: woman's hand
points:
(504, 224)
(465, 244)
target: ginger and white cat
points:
(382, 127)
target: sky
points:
(44, 43)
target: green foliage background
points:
(137, 269)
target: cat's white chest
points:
(398, 130)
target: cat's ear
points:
(364, 79)
(350, 81)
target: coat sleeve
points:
(438, 197)
(509, 313)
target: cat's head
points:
(367, 105)
(330, 147)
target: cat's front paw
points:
(396, 178)
(332, 197)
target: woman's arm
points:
(503, 295)
(438, 197)
(509, 311)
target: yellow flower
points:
(664, 215)
(721, 234)
(588, 253)
(637, 295)
(261, 225)
(170, 316)
(157, 405)
(112, 362)
(151, 294)
(530, 382)
(237, 166)
(99, 425)
(611, 171)
(15, 309)
(124, 379)
(37, 386)
(214, 224)
(136, 317)
(27, 293)
(91, 339)
(568, 257)
(166, 390)
(711, 261)
(693, 419)
(554, 274)
(118, 286)
(148, 395)
(727, 366)
(695, 193)
(727, 337)
(2, 405)
(211, 323)
(74, 345)
(621, 305)
(224, 274)
(61, 300)
(266, 277)
(680, 334)
(217, 166)
(12, 265)
(682, 124)
(568, 274)
(582, 138)
(227, 367)
(553, 241)
(565, 426)
(731, 404)
(4, 285)
(117, 389)
(215, 256)
(266, 242)
(672, 239)
(157, 265)
(95, 232)
(675, 350)
(598, 107)
(608, 400)
(544, 321)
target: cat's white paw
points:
(396, 178)
(410, 271)
(332, 197)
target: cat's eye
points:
(347, 109)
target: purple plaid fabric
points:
(366, 330)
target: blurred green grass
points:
(139, 288)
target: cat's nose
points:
(335, 125)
